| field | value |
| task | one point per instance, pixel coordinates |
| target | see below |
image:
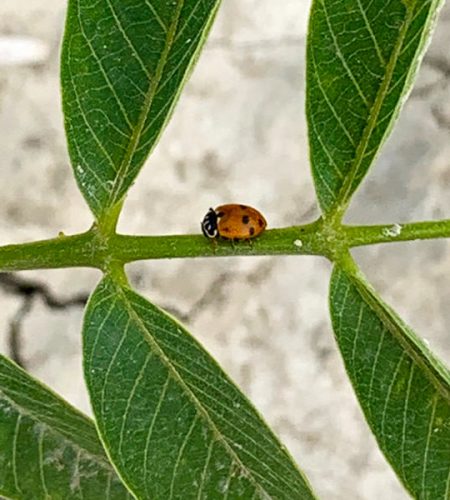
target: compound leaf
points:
(47, 448)
(403, 390)
(362, 56)
(123, 66)
(174, 425)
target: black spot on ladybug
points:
(220, 214)
(260, 223)
(252, 231)
(245, 219)
(226, 229)
(244, 207)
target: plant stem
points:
(357, 236)
(79, 250)
(295, 240)
(89, 249)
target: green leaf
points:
(123, 66)
(48, 450)
(362, 56)
(403, 390)
(174, 425)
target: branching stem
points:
(89, 249)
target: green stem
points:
(91, 249)
(357, 236)
(295, 240)
(80, 250)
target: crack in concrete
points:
(215, 292)
(30, 289)
(15, 329)
(15, 285)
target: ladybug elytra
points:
(233, 222)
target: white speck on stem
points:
(298, 243)
(392, 231)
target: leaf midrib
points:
(388, 319)
(390, 322)
(148, 102)
(174, 372)
(344, 193)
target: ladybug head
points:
(209, 224)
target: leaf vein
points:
(147, 105)
(372, 34)
(341, 56)
(180, 454)
(14, 454)
(157, 16)
(427, 445)
(102, 69)
(150, 431)
(127, 39)
(405, 417)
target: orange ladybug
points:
(233, 222)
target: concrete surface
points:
(264, 319)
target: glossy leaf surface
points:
(123, 66)
(403, 390)
(47, 448)
(174, 424)
(362, 56)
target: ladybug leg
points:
(214, 245)
(233, 244)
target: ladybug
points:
(233, 222)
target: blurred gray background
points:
(240, 117)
